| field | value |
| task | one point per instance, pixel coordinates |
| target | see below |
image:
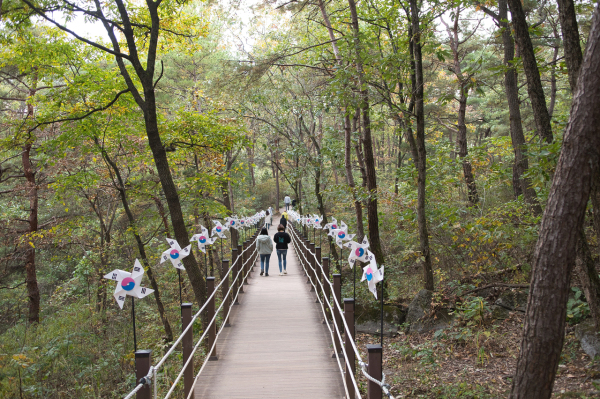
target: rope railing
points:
(385, 387)
(153, 371)
(206, 330)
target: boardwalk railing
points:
(241, 267)
(318, 275)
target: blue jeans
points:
(282, 253)
(264, 259)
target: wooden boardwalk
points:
(277, 346)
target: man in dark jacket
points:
(282, 239)
(283, 222)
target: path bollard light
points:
(225, 289)
(375, 368)
(212, 329)
(337, 317)
(349, 337)
(143, 360)
(187, 344)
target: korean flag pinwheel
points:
(129, 283)
(175, 254)
(359, 251)
(317, 221)
(219, 229)
(341, 236)
(373, 276)
(203, 239)
(233, 222)
(331, 226)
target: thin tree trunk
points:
(461, 139)
(163, 215)
(33, 292)
(120, 186)
(350, 177)
(532, 73)
(372, 214)
(554, 255)
(420, 145)
(521, 185)
(571, 43)
(588, 276)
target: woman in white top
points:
(268, 219)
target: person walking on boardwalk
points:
(264, 246)
(287, 201)
(282, 239)
(268, 219)
(283, 222)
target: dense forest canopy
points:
(435, 129)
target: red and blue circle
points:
(219, 229)
(174, 254)
(334, 226)
(359, 252)
(232, 222)
(341, 234)
(202, 239)
(241, 222)
(127, 283)
(369, 274)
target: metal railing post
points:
(305, 251)
(224, 289)
(187, 344)
(312, 266)
(212, 328)
(337, 317)
(249, 258)
(318, 273)
(326, 286)
(375, 358)
(236, 268)
(245, 264)
(349, 337)
(239, 284)
(143, 360)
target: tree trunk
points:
(461, 139)
(554, 254)
(571, 44)
(170, 190)
(420, 144)
(350, 177)
(33, 292)
(161, 212)
(372, 214)
(588, 276)
(120, 186)
(532, 73)
(521, 186)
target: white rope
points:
(198, 313)
(385, 387)
(143, 381)
(204, 335)
(214, 343)
(347, 361)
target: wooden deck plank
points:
(277, 346)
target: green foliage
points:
(577, 308)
